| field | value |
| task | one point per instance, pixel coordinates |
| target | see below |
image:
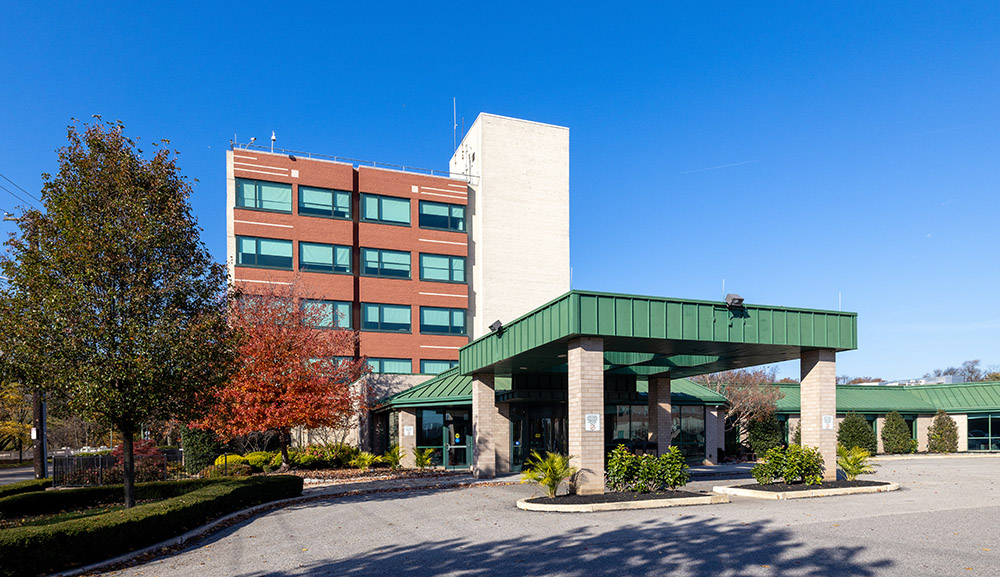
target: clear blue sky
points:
(799, 151)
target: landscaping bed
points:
(785, 487)
(621, 497)
(45, 548)
(335, 476)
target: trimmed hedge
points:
(67, 499)
(58, 546)
(31, 486)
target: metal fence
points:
(80, 471)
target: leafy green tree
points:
(942, 435)
(896, 435)
(854, 431)
(765, 434)
(113, 302)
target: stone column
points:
(501, 433)
(660, 416)
(713, 440)
(879, 424)
(585, 397)
(484, 415)
(408, 443)
(962, 422)
(818, 400)
(923, 429)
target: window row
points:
(318, 257)
(397, 319)
(405, 366)
(314, 201)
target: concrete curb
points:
(775, 496)
(318, 493)
(646, 504)
(921, 456)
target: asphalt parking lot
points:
(945, 521)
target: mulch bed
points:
(784, 487)
(612, 498)
(337, 476)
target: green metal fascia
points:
(583, 313)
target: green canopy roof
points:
(653, 335)
(960, 396)
(454, 388)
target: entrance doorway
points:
(457, 448)
(539, 428)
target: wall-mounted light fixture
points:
(497, 327)
(734, 300)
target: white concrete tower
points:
(519, 225)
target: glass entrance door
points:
(457, 448)
(536, 428)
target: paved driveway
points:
(16, 474)
(945, 522)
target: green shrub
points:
(854, 431)
(216, 471)
(365, 460)
(230, 459)
(424, 458)
(293, 459)
(896, 435)
(393, 457)
(547, 472)
(41, 503)
(765, 435)
(55, 547)
(200, 449)
(854, 462)
(621, 470)
(796, 464)
(342, 454)
(942, 436)
(628, 472)
(797, 433)
(24, 487)
(259, 460)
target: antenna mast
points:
(454, 122)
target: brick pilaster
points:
(484, 417)
(501, 428)
(819, 398)
(660, 416)
(714, 417)
(408, 443)
(586, 397)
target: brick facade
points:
(484, 420)
(660, 416)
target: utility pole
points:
(38, 432)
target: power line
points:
(19, 187)
(17, 197)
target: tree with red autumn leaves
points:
(751, 393)
(288, 373)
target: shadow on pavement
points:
(682, 546)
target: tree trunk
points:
(128, 460)
(283, 444)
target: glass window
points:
(379, 317)
(688, 429)
(385, 209)
(430, 428)
(442, 321)
(443, 216)
(324, 202)
(390, 263)
(395, 366)
(327, 314)
(264, 252)
(316, 257)
(263, 195)
(442, 268)
(428, 367)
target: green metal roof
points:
(684, 337)
(454, 388)
(448, 388)
(959, 397)
(861, 399)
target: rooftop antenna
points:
(840, 301)
(252, 140)
(273, 138)
(723, 289)
(454, 121)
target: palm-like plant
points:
(547, 472)
(423, 458)
(854, 462)
(393, 457)
(365, 460)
